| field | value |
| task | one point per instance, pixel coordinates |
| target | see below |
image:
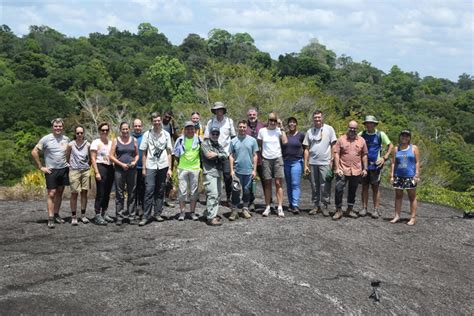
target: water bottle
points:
(254, 186)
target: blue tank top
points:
(405, 163)
(374, 146)
(125, 152)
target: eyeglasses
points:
(79, 133)
(215, 134)
(352, 129)
(272, 121)
(105, 130)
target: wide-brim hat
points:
(370, 119)
(188, 124)
(236, 186)
(218, 105)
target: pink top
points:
(350, 153)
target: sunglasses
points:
(272, 121)
(79, 133)
(215, 134)
(104, 130)
(352, 129)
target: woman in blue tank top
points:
(405, 175)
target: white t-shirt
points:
(151, 142)
(270, 138)
(103, 151)
(226, 128)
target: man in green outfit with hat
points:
(376, 141)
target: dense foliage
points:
(120, 75)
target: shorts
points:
(373, 176)
(272, 168)
(80, 180)
(57, 178)
(188, 179)
(402, 183)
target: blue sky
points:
(435, 38)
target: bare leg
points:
(192, 205)
(398, 206)
(268, 192)
(74, 202)
(365, 195)
(50, 201)
(58, 198)
(83, 200)
(413, 205)
(279, 191)
(376, 195)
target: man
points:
(187, 151)
(318, 143)
(54, 148)
(350, 163)
(253, 127)
(213, 157)
(375, 141)
(169, 125)
(156, 161)
(227, 132)
(140, 187)
(243, 166)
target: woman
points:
(104, 174)
(124, 155)
(293, 163)
(269, 139)
(405, 174)
(78, 157)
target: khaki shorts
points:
(272, 168)
(80, 180)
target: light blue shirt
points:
(242, 150)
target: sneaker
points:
(296, 210)
(51, 224)
(143, 222)
(214, 222)
(168, 204)
(468, 215)
(194, 216)
(376, 214)
(132, 221)
(246, 214)
(233, 216)
(350, 212)
(315, 211)
(181, 216)
(363, 212)
(74, 221)
(84, 219)
(99, 220)
(119, 222)
(159, 218)
(225, 203)
(107, 218)
(267, 211)
(280, 212)
(252, 207)
(58, 219)
(337, 215)
(326, 210)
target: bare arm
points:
(36, 158)
(144, 155)
(255, 162)
(135, 160)
(231, 164)
(113, 156)
(94, 164)
(417, 156)
(283, 138)
(307, 170)
(392, 169)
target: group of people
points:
(218, 157)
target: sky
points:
(431, 37)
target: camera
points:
(157, 153)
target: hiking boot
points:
(468, 215)
(252, 207)
(181, 216)
(363, 212)
(315, 211)
(74, 221)
(225, 203)
(337, 215)
(51, 224)
(246, 214)
(194, 216)
(350, 213)
(296, 210)
(58, 220)
(233, 216)
(267, 211)
(119, 222)
(325, 210)
(214, 222)
(376, 214)
(84, 219)
(143, 222)
(168, 204)
(280, 212)
(158, 218)
(107, 218)
(99, 220)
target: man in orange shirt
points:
(350, 163)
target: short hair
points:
(195, 112)
(317, 112)
(272, 116)
(123, 123)
(102, 125)
(57, 121)
(154, 115)
(252, 109)
(242, 122)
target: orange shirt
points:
(350, 153)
